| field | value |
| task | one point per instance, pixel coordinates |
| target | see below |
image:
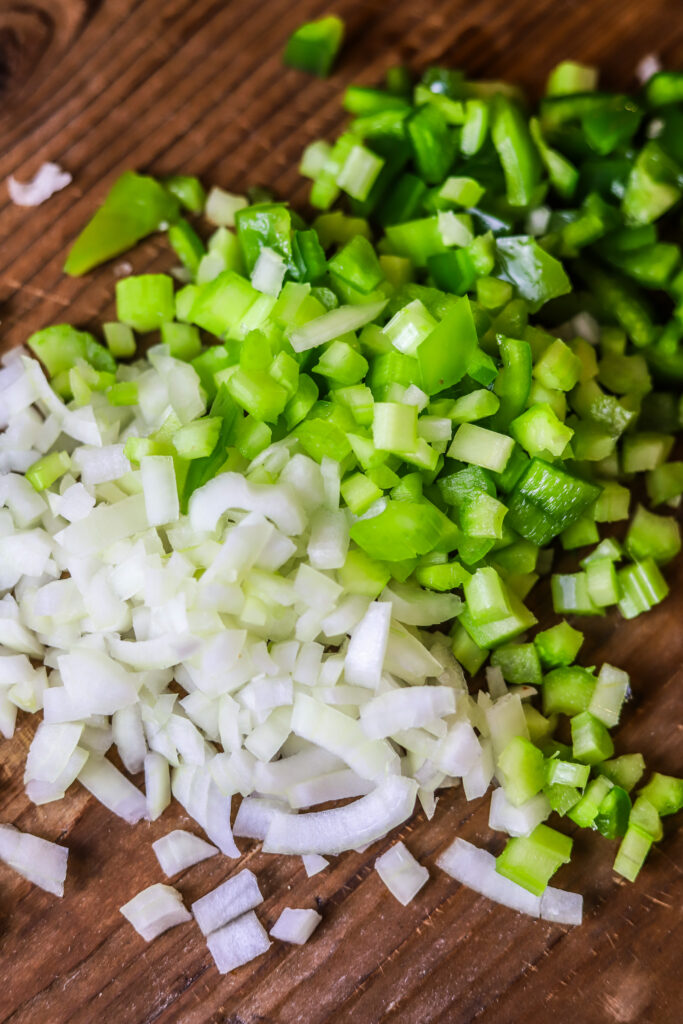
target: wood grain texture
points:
(197, 86)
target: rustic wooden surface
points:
(197, 86)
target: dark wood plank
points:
(198, 86)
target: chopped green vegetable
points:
(314, 46)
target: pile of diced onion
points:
(217, 651)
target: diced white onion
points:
(401, 873)
(561, 907)
(295, 925)
(367, 647)
(38, 860)
(406, 708)
(517, 821)
(113, 789)
(160, 489)
(179, 850)
(49, 178)
(238, 942)
(254, 816)
(155, 910)
(314, 863)
(228, 901)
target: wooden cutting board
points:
(197, 86)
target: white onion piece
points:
(255, 815)
(295, 925)
(647, 66)
(269, 272)
(314, 863)
(232, 491)
(100, 464)
(339, 785)
(179, 850)
(276, 777)
(48, 179)
(129, 737)
(406, 708)
(241, 549)
(517, 821)
(408, 658)
(216, 821)
(343, 736)
(476, 869)
(561, 907)
(38, 860)
(157, 653)
(416, 607)
(8, 716)
(80, 424)
(96, 684)
(113, 789)
(75, 503)
(367, 648)
(105, 525)
(230, 900)
(332, 324)
(238, 942)
(155, 910)
(344, 828)
(50, 750)
(505, 720)
(23, 501)
(477, 779)
(495, 682)
(42, 792)
(402, 874)
(329, 539)
(159, 489)
(157, 785)
(459, 750)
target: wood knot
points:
(32, 33)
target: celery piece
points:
(532, 860)
(145, 301)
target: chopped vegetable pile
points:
(259, 559)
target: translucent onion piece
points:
(155, 910)
(561, 907)
(38, 860)
(238, 942)
(295, 925)
(179, 850)
(232, 491)
(49, 178)
(344, 828)
(229, 900)
(314, 863)
(113, 789)
(401, 873)
(517, 821)
(367, 648)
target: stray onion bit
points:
(296, 926)
(155, 910)
(314, 863)
(402, 874)
(238, 942)
(50, 178)
(231, 899)
(180, 850)
(41, 862)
